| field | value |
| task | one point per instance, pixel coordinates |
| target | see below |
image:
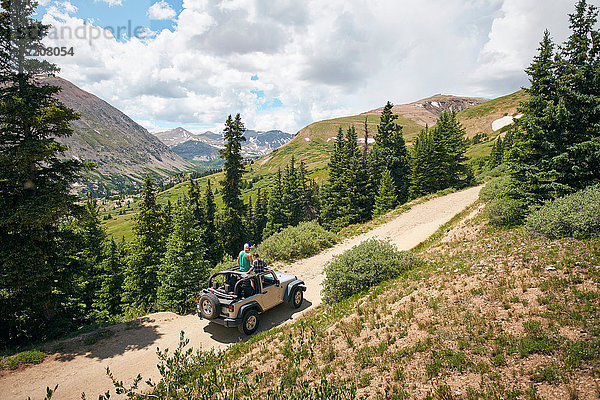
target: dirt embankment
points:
(129, 349)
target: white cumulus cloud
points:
(161, 10)
(110, 2)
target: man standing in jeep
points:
(245, 259)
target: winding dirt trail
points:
(131, 348)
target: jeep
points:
(235, 298)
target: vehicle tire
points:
(296, 298)
(249, 322)
(209, 306)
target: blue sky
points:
(283, 64)
(128, 12)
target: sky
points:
(283, 64)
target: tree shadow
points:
(111, 341)
(269, 319)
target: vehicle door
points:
(270, 296)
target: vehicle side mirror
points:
(277, 282)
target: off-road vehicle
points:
(235, 298)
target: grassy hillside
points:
(492, 314)
(479, 118)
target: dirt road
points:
(131, 348)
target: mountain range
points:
(123, 150)
(205, 146)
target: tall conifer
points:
(390, 152)
(184, 268)
(386, 199)
(145, 253)
(36, 263)
(232, 232)
(276, 219)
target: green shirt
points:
(244, 262)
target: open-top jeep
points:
(235, 298)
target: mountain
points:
(196, 150)
(426, 111)
(259, 143)
(174, 137)
(123, 150)
(312, 143)
(205, 146)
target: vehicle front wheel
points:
(297, 298)
(249, 322)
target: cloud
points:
(161, 10)
(315, 59)
(110, 3)
(504, 56)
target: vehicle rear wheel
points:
(209, 306)
(297, 298)
(249, 322)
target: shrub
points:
(31, 357)
(576, 215)
(495, 188)
(368, 264)
(504, 211)
(294, 242)
(550, 373)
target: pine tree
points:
(386, 199)
(184, 269)
(35, 185)
(365, 150)
(232, 232)
(310, 191)
(365, 181)
(451, 147)
(146, 252)
(249, 218)
(556, 148)
(214, 250)
(276, 219)
(259, 216)
(168, 217)
(424, 165)
(333, 191)
(292, 195)
(578, 71)
(107, 304)
(496, 154)
(391, 153)
(195, 199)
(354, 186)
(91, 237)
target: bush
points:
(31, 357)
(294, 242)
(495, 188)
(368, 264)
(504, 211)
(576, 215)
